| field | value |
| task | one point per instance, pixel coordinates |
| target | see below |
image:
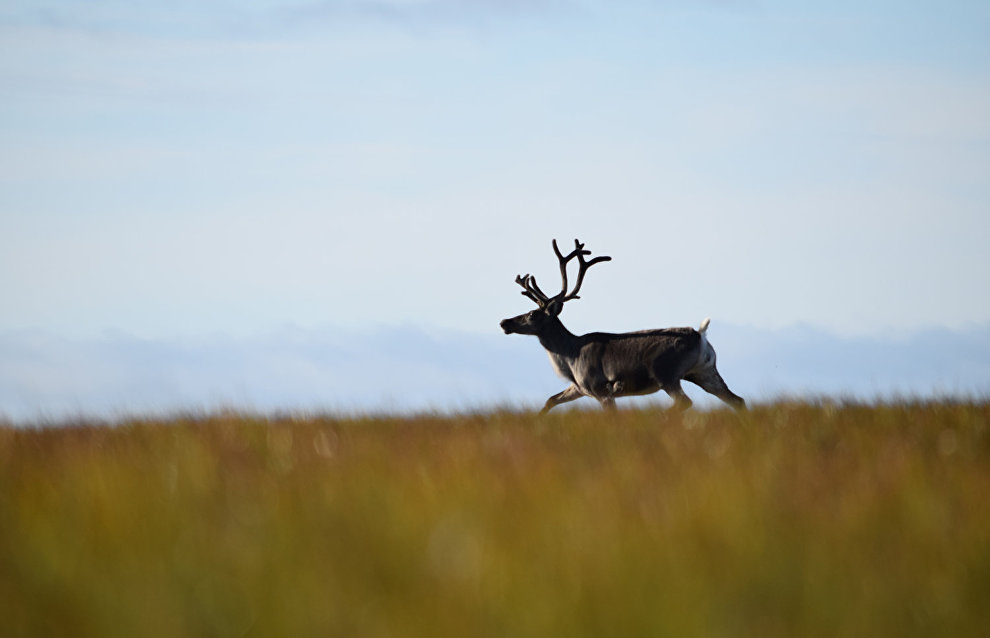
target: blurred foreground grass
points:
(789, 520)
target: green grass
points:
(792, 519)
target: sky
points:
(208, 170)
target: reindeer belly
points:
(633, 383)
(625, 367)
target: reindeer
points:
(604, 365)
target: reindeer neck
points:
(557, 339)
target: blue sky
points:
(184, 169)
(201, 166)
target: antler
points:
(583, 267)
(531, 290)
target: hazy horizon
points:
(402, 370)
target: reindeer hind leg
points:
(681, 400)
(711, 382)
(608, 403)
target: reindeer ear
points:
(554, 307)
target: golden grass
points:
(792, 519)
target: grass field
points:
(792, 519)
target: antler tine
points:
(531, 284)
(583, 267)
(531, 290)
(577, 252)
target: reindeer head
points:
(534, 321)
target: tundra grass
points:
(791, 519)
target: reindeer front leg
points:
(569, 394)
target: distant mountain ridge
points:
(406, 368)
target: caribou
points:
(604, 365)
